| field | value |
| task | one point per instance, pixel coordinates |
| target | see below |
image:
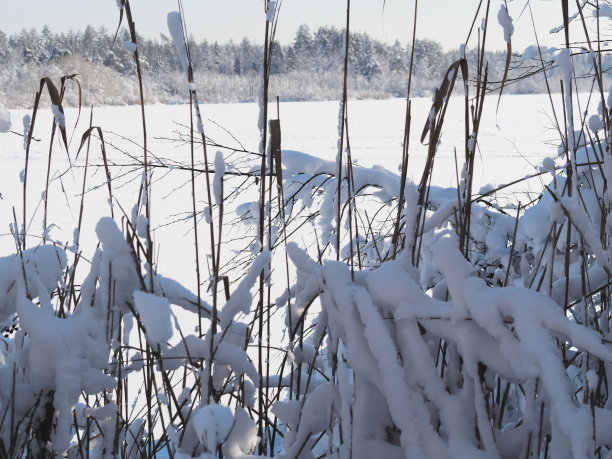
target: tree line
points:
(229, 72)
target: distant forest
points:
(310, 68)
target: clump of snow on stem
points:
(142, 226)
(595, 123)
(154, 312)
(241, 299)
(564, 61)
(212, 425)
(531, 52)
(218, 178)
(604, 11)
(271, 11)
(175, 27)
(26, 129)
(504, 19)
(60, 118)
(128, 46)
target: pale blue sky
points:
(446, 21)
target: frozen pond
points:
(512, 142)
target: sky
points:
(447, 21)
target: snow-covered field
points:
(512, 143)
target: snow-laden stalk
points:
(341, 128)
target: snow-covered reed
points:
(340, 311)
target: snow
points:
(154, 312)
(60, 118)
(128, 46)
(142, 224)
(175, 27)
(564, 61)
(595, 123)
(5, 119)
(241, 300)
(43, 267)
(604, 11)
(504, 19)
(121, 270)
(218, 178)
(384, 326)
(237, 359)
(243, 438)
(548, 164)
(271, 11)
(207, 215)
(26, 129)
(212, 425)
(200, 126)
(437, 344)
(531, 52)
